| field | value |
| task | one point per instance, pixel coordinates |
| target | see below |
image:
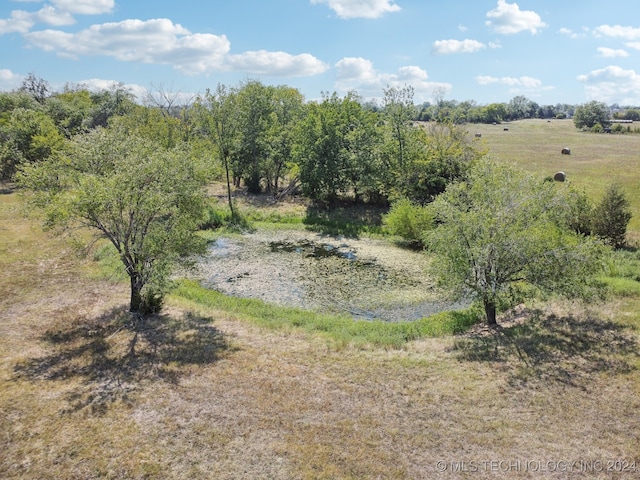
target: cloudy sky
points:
(551, 51)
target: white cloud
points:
(618, 31)
(447, 47)
(160, 41)
(462, 28)
(85, 7)
(507, 18)
(20, 21)
(526, 82)
(58, 14)
(98, 85)
(360, 8)
(356, 72)
(152, 41)
(359, 74)
(53, 16)
(571, 34)
(634, 45)
(612, 84)
(9, 80)
(612, 53)
(276, 63)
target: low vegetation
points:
(95, 386)
(229, 388)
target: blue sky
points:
(551, 51)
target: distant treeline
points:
(269, 139)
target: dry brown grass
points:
(208, 396)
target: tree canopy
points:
(591, 114)
(498, 237)
(147, 201)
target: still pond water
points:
(364, 278)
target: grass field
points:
(212, 392)
(596, 160)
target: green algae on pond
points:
(312, 249)
(365, 278)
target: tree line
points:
(135, 174)
(269, 139)
(263, 138)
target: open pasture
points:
(211, 393)
(595, 162)
(214, 393)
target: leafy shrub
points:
(575, 212)
(408, 220)
(617, 128)
(214, 217)
(611, 217)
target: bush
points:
(611, 217)
(214, 217)
(408, 220)
(617, 128)
(575, 212)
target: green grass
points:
(622, 273)
(342, 329)
(596, 160)
(622, 287)
(209, 396)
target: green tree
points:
(363, 168)
(288, 108)
(70, 111)
(336, 149)
(9, 101)
(28, 136)
(115, 101)
(319, 149)
(611, 217)
(151, 123)
(497, 239)
(144, 199)
(38, 88)
(255, 108)
(493, 113)
(591, 114)
(519, 107)
(399, 114)
(445, 155)
(218, 119)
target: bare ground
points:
(210, 396)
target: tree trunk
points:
(490, 311)
(136, 303)
(226, 168)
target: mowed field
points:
(596, 160)
(554, 393)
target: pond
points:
(364, 278)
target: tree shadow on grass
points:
(547, 349)
(113, 357)
(346, 220)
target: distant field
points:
(596, 160)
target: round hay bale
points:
(560, 177)
(566, 151)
